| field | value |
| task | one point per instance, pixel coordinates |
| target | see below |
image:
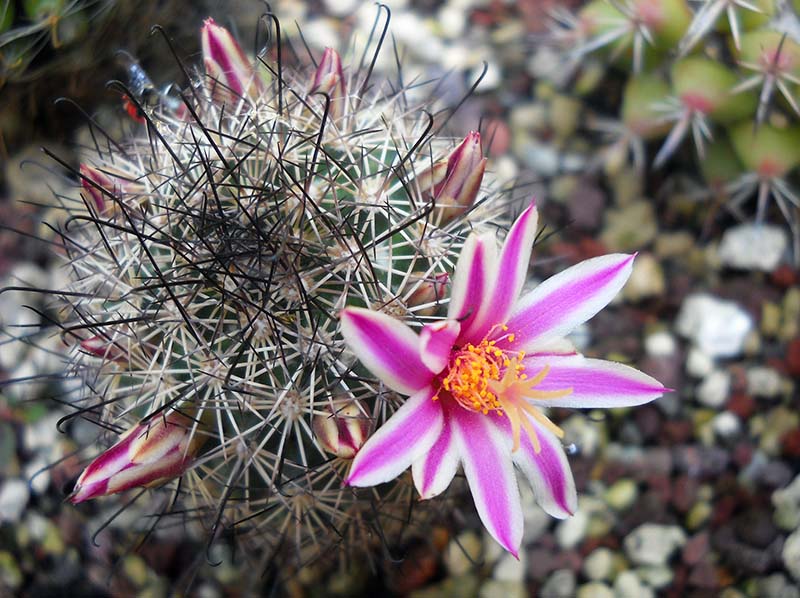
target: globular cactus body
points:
(209, 275)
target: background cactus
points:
(208, 276)
(723, 68)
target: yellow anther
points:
(484, 379)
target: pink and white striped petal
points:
(485, 454)
(512, 269)
(595, 383)
(472, 283)
(557, 347)
(407, 435)
(387, 348)
(565, 300)
(436, 342)
(548, 472)
(433, 472)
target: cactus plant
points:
(210, 261)
(728, 70)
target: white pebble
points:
(698, 364)
(598, 564)
(726, 425)
(14, 497)
(791, 554)
(572, 531)
(752, 246)
(764, 382)
(713, 391)
(719, 328)
(653, 544)
(38, 474)
(452, 21)
(510, 569)
(660, 344)
(628, 585)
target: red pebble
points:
(684, 493)
(678, 431)
(790, 443)
(793, 358)
(784, 276)
(742, 454)
(724, 509)
(742, 405)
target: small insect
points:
(142, 88)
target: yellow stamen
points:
(483, 378)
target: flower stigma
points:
(484, 378)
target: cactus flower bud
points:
(102, 186)
(152, 452)
(329, 79)
(431, 178)
(100, 346)
(431, 289)
(342, 432)
(464, 173)
(226, 62)
(91, 179)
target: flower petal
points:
(387, 348)
(559, 347)
(435, 343)
(407, 435)
(472, 282)
(566, 300)
(547, 472)
(512, 270)
(485, 453)
(433, 472)
(595, 383)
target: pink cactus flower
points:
(476, 381)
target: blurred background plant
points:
(719, 79)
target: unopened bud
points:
(103, 188)
(329, 79)
(430, 291)
(342, 432)
(431, 178)
(464, 173)
(149, 454)
(100, 346)
(99, 188)
(227, 64)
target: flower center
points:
(484, 378)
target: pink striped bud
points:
(100, 346)
(329, 79)
(91, 179)
(342, 433)
(149, 454)
(227, 64)
(431, 178)
(430, 291)
(465, 168)
(104, 187)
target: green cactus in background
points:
(723, 69)
(210, 259)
